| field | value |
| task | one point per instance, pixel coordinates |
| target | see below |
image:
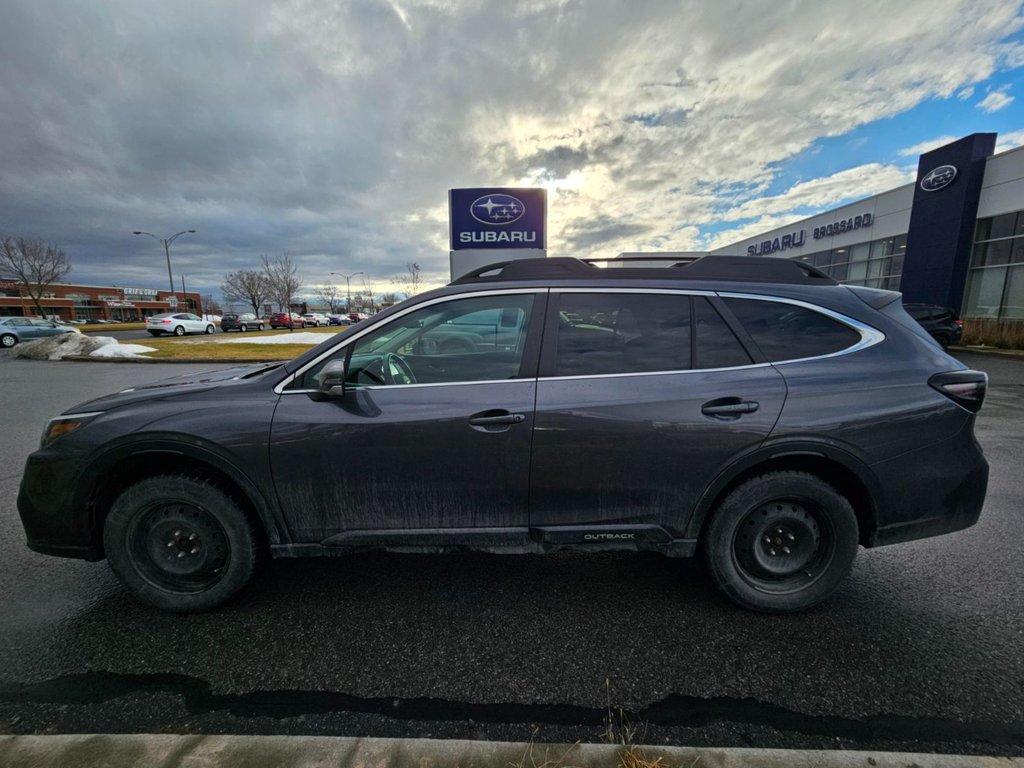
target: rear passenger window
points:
(601, 333)
(788, 332)
(716, 346)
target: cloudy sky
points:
(333, 130)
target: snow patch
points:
(121, 350)
(281, 338)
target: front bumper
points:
(53, 524)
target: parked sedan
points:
(338, 320)
(17, 329)
(178, 323)
(286, 320)
(232, 321)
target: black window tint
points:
(787, 332)
(715, 345)
(621, 333)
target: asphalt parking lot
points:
(921, 650)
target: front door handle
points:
(496, 418)
(729, 407)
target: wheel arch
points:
(844, 471)
(129, 463)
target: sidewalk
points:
(168, 751)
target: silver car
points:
(178, 323)
(17, 329)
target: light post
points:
(348, 289)
(167, 248)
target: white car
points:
(315, 319)
(178, 323)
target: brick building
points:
(93, 302)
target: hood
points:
(189, 383)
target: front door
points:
(428, 437)
(643, 398)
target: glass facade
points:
(876, 264)
(995, 282)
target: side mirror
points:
(332, 379)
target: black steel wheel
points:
(180, 543)
(781, 542)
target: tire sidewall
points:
(8, 341)
(179, 331)
(723, 526)
(137, 499)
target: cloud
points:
(926, 146)
(995, 100)
(334, 131)
(1010, 140)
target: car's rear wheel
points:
(781, 542)
(261, 327)
(180, 543)
(8, 340)
(943, 339)
(179, 330)
(242, 328)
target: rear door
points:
(644, 396)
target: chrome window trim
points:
(365, 387)
(654, 373)
(350, 338)
(869, 336)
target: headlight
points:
(63, 425)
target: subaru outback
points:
(749, 410)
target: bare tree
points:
(410, 280)
(283, 280)
(369, 291)
(34, 263)
(248, 286)
(211, 306)
(388, 299)
(329, 295)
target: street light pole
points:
(348, 289)
(166, 242)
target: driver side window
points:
(462, 340)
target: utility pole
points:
(348, 289)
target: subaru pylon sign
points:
(497, 218)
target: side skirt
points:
(512, 540)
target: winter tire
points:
(179, 330)
(180, 543)
(781, 542)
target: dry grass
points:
(529, 760)
(1006, 334)
(111, 327)
(212, 351)
(618, 731)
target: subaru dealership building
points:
(955, 237)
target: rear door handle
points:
(729, 406)
(496, 418)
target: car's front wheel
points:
(210, 329)
(781, 542)
(180, 543)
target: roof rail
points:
(758, 269)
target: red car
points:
(286, 320)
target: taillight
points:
(959, 323)
(965, 388)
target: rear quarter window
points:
(788, 332)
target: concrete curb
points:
(169, 751)
(993, 351)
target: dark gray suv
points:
(748, 409)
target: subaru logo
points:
(938, 178)
(497, 209)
